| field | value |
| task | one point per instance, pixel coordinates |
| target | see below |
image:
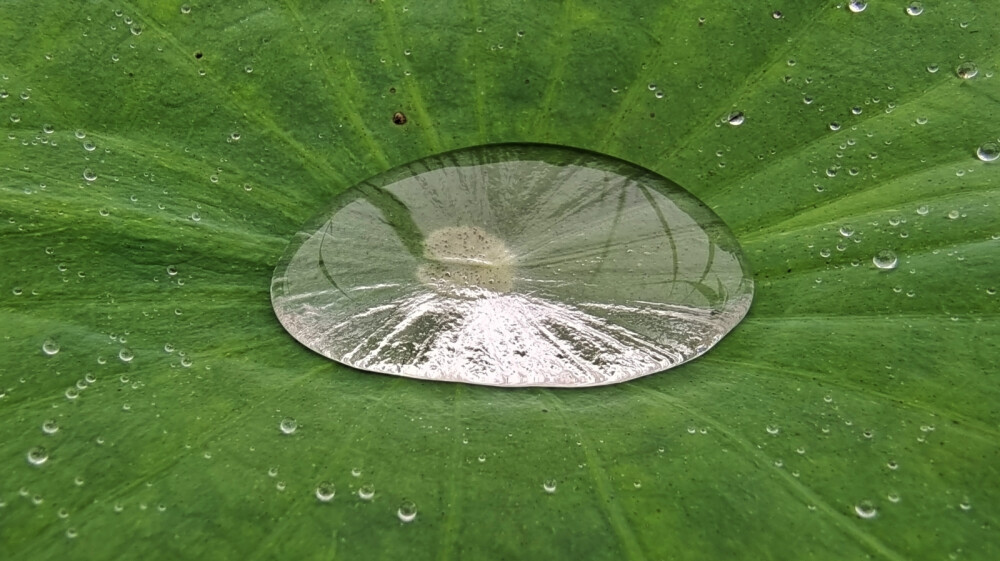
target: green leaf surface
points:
(139, 138)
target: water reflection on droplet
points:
(967, 70)
(549, 486)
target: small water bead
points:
(50, 347)
(89, 175)
(885, 260)
(893, 497)
(37, 456)
(988, 152)
(356, 472)
(953, 214)
(280, 486)
(933, 68)
(856, 110)
(171, 270)
(915, 9)
(866, 510)
(965, 505)
(857, 6)
(235, 136)
(659, 94)
(50, 427)
(71, 533)
(735, 118)
(407, 511)
(288, 425)
(846, 231)
(185, 9)
(824, 253)
(325, 492)
(772, 429)
(835, 126)
(72, 393)
(481, 458)
(126, 354)
(967, 70)
(366, 492)
(195, 216)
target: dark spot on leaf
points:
(652, 115)
(392, 90)
(399, 118)
(198, 54)
(527, 81)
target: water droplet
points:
(866, 510)
(835, 126)
(846, 231)
(893, 497)
(777, 14)
(915, 8)
(37, 456)
(272, 472)
(288, 425)
(772, 429)
(196, 216)
(89, 175)
(356, 472)
(735, 118)
(885, 260)
(125, 354)
(953, 214)
(857, 6)
(185, 9)
(549, 486)
(171, 270)
(967, 70)
(965, 505)
(325, 492)
(500, 266)
(366, 492)
(407, 511)
(988, 152)
(71, 533)
(50, 427)
(50, 347)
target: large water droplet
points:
(325, 492)
(885, 259)
(514, 265)
(407, 511)
(967, 70)
(865, 509)
(857, 5)
(50, 347)
(288, 425)
(988, 152)
(915, 8)
(37, 456)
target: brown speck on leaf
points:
(399, 118)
